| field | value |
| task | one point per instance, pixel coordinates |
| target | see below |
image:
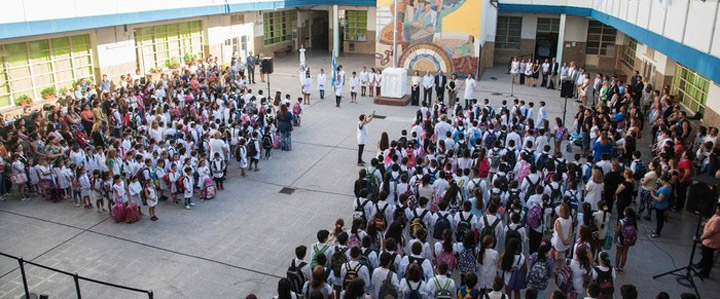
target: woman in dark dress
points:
(624, 192)
(612, 180)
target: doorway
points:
(546, 38)
(320, 35)
(546, 45)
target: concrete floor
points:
(242, 241)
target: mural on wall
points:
(433, 35)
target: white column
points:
(395, 32)
(336, 31)
(561, 38)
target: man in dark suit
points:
(440, 82)
(251, 61)
(553, 73)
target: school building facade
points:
(48, 45)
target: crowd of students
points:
(122, 146)
(445, 210)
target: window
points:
(690, 89)
(507, 35)
(165, 45)
(600, 39)
(548, 25)
(29, 67)
(628, 55)
(356, 25)
(278, 26)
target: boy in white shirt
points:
(441, 282)
(354, 83)
(321, 78)
(363, 81)
(188, 188)
(354, 266)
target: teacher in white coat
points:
(362, 132)
(470, 85)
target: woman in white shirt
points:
(488, 259)
(415, 88)
(594, 188)
(514, 68)
(580, 266)
(562, 234)
(528, 72)
(307, 88)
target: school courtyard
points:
(242, 241)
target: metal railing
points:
(76, 278)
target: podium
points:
(393, 88)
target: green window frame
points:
(600, 39)
(507, 32)
(29, 67)
(279, 26)
(690, 89)
(356, 29)
(629, 51)
(161, 46)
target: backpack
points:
(365, 259)
(442, 292)
(564, 278)
(267, 142)
(141, 172)
(588, 172)
(388, 289)
(441, 225)
(538, 276)
(483, 168)
(414, 293)
(560, 165)
(359, 212)
(166, 179)
(531, 187)
(463, 227)
(467, 261)
(541, 161)
(574, 201)
(604, 281)
(399, 215)
(251, 149)
(351, 273)
(180, 184)
(433, 175)
(372, 180)
(448, 258)
(296, 277)
(417, 225)
(380, 219)
(353, 241)
(238, 152)
(503, 182)
(513, 234)
(555, 193)
(534, 216)
(524, 171)
(317, 252)
(512, 196)
(489, 229)
(490, 140)
(296, 109)
(511, 157)
(495, 158)
(628, 234)
(640, 170)
(337, 260)
(560, 134)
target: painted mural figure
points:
(433, 35)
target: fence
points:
(77, 278)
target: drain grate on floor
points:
(497, 93)
(493, 78)
(287, 190)
(380, 116)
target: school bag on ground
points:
(388, 289)
(463, 227)
(417, 225)
(442, 292)
(489, 229)
(209, 190)
(296, 277)
(337, 260)
(351, 273)
(441, 225)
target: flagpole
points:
(395, 32)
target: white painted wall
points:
(576, 29)
(114, 47)
(529, 27)
(713, 96)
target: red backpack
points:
(296, 109)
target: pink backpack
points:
(524, 170)
(448, 258)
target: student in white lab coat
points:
(321, 78)
(354, 84)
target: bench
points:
(283, 51)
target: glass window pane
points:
(60, 42)
(17, 54)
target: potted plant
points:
(172, 63)
(48, 93)
(23, 100)
(63, 91)
(188, 58)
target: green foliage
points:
(189, 57)
(22, 99)
(172, 63)
(48, 92)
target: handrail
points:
(76, 278)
